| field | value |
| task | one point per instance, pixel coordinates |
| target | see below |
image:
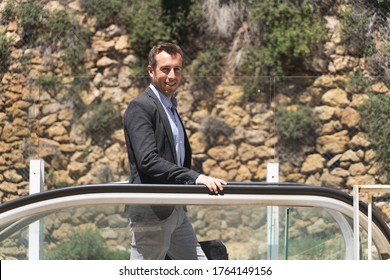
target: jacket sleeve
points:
(150, 147)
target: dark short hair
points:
(169, 48)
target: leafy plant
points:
(283, 35)
(148, 22)
(56, 27)
(376, 122)
(182, 16)
(105, 11)
(49, 83)
(255, 84)
(79, 84)
(8, 13)
(354, 30)
(364, 27)
(31, 16)
(54, 30)
(207, 68)
(85, 245)
(41, 28)
(102, 120)
(357, 79)
(73, 37)
(146, 26)
(4, 51)
(208, 62)
(379, 62)
(294, 123)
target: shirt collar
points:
(168, 103)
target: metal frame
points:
(37, 181)
(266, 194)
(242, 194)
(369, 190)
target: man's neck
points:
(169, 96)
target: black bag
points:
(213, 249)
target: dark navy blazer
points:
(151, 150)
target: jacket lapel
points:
(165, 121)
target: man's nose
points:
(171, 73)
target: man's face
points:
(168, 73)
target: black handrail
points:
(248, 188)
(230, 188)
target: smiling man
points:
(159, 153)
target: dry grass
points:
(223, 17)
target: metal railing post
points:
(35, 233)
(369, 190)
(356, 241)
(273, 216)
(369, 229)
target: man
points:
(159, 153)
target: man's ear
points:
(150, 71)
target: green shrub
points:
(256, 88)
(146, 27)
(207, 69)
(105, 11)
(31, 16)
(255, 84)
(74, 55)
(151, 21)
(295, 123)
(208, 62)
(85, 245)
(357, 79)
(353, 32)
(375, 115)
(47, 30)
(4, 51)
(56, 27)
(364, 26)
(102, 120)
(8, 13)
(283, 37)
(148, 22)
(183, 17)
(73, 37)
(79, 84)
(49, 83)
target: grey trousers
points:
(173, 236)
